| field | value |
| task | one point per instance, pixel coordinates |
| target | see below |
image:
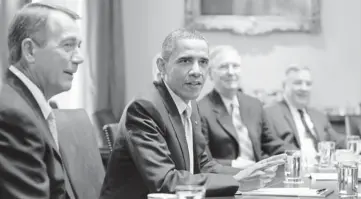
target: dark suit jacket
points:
(150, 153)
(221, 134)
(80, 152)
(30, 165)
(283, 124)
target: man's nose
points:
(230, 69)
(305, 86)
(77, 57)
(196, 69)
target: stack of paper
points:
(328, 176)
(323, 176)
(289, 192)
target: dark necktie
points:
(307, 128)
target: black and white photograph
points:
(180, 99)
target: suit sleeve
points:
(23, 174)
(205, 131)
(150, 153)
(271, 143)
(212, 165)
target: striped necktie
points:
(244, 142)
(52, 126)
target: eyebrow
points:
(70, 38)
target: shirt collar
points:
(229, 102)
(292, 108)
(181, 105)
(35, 91)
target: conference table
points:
(308, 182)
(277, 183)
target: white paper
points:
(304, 191)
(324, 176)
(328, 176)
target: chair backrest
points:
(102, 118)
(110, 133)
(80, 152)
(355, 124)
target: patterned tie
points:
(53, 130)
(188, 130)
(307, 129)
(245, 144)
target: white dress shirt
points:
(308, 149)
(182, 106)
(39, 98)
(244, 141)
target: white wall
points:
(333, 55)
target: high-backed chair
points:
(102, 118)
(110, 133)
(355, 124)
(80, 152)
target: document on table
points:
(327, 176)
(289, 192)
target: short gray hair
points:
(169, 42)
(217, 50)
(295, 68)
(29, 22)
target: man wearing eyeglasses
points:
(234, 123)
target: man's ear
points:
(161, 65)
(27, 50)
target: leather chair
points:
(355, 124)
(110, 133)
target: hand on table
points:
(242, 163)
(259, 174)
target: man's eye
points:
(297, 82)
(204, 62)
(185, 61)
(224, 66)
(69, 46)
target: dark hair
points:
(169, 42)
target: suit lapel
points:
(20, 87)
(175, 120)
(288, 117)
(245, 112)
(223, 117)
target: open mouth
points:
(195, 83)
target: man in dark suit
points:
(234, 123)
(43, 44)
(295, 121)
(160, 144)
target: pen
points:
(320, 191)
